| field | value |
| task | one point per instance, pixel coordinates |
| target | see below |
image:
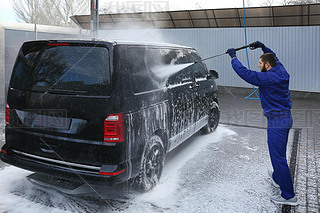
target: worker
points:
(273, 83)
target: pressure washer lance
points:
(240, 48)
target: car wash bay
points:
(225, 171)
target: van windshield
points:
(62, 69)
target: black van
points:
(98, 110)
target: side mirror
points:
(213, 74)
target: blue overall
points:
(275, 101)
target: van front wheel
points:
(213, 121)
(152, 164)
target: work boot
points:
(280, 200)
(273, 182)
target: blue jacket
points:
(273, 85)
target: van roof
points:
(147, 43)
(127, 42)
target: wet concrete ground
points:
(237, 110)
(225, 171)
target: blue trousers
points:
(279, 125)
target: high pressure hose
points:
(246, 43)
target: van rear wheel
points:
(152, 164)
(213, 121)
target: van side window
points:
(179, 74)
(199, 69)
(140, 61)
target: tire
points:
(152, 164)
(213, 121)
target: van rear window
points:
(62, 69)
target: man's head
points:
(267, 61)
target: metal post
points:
(3, 85)
(35, 32)
(95, 18)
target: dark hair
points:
(269, 57)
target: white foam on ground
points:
(241, 187)
(163, 195)
(11, 179)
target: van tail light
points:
(114, 128)
(112, 173)
(7, 115)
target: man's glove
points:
(232, 52)
(256, 45)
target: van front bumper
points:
(111, 174)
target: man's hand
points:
(232, 52)
(256, 45)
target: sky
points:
(8, 14)
(6, 11)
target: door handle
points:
(47, 148)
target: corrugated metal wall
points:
(298, 48)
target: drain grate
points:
(293, 161)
